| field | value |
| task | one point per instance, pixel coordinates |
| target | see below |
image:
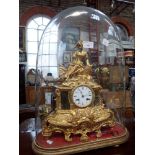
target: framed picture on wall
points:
(70, 36)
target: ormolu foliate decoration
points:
(86, 112)
(78, 121)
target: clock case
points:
(68, 128)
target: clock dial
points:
(82, 96)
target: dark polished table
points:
(27, 134)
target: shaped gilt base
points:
(57, 145)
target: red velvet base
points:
(58, 141)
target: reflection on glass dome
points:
(58, 41)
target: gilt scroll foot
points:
(99, 133)
(67, 137)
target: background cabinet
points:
(30, 94)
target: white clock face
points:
(82, 96)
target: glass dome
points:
(80, 81)
(101, 42)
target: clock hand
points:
(80, 91)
